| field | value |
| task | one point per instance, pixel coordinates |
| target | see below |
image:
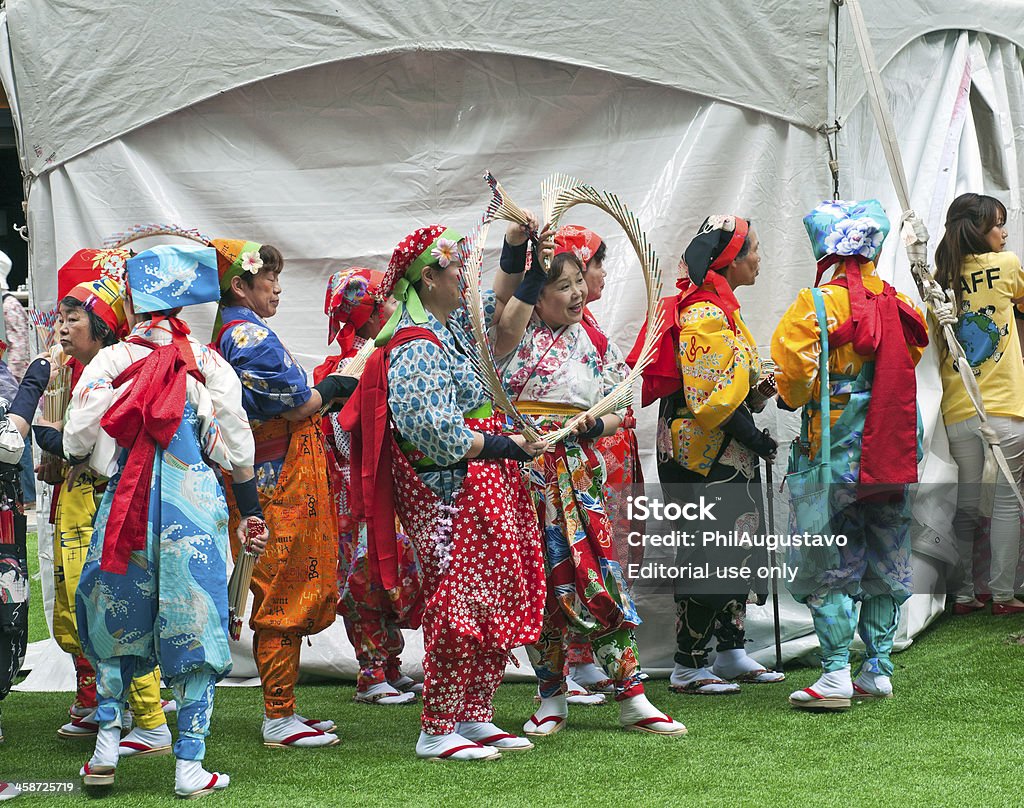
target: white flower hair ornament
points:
(251, 261)
(443, 252)
(855, 237)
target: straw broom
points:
(560, 194)
(241, 577)
(141, 231)
(471, 252)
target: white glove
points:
(944, 313)
(915, 237)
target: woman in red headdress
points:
(427, 445)
(374, 617)
(620, 452)
(557, 368)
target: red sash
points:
(597, 336)
(883, 325)
(661, 377)
(365, 417)
(146, 416)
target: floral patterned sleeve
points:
(91, 399)
(272, 382)
(715, 369)
(615, 369)
(423, 403)
(231, 441)
(18, 351)
(796, 348)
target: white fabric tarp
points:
(335, 163)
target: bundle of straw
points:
(241, 577)
(57, 395)
(471, 251)
(561, 193)
(354, 367)
(141, 231)
(357, 364)
(502, 207)
(56, 398)
(45, 323)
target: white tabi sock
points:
(190, 778)
(434, 747)
(491, 735)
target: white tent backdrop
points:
(333, 137)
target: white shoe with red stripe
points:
(8, 791)
(290, 732)
(192, 781)
(322, 724)
(406, 684)
(832, 691)
(80, 726)
(146, 742)
(488, 734)
(638, 714)
(453, 747)
(592, 678)
(549, 718)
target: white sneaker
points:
(8, 791)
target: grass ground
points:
(951, 737)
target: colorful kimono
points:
(14, 586)
(874, 566)
(718, 365)
(293, 584)
(169, 604)
(374, 617)
(553, 375)
(470, 521)
(75, 512)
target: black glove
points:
(31, 389)
(499, 446)
(247, 498)
(740, 425)
(513, 259)
(594, 431)
(531, 285)
(335, 386)
(50, 440)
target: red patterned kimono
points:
(480, 556)
(374, 617)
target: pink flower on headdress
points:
(443, 251)
(583, 253)
(251, 261)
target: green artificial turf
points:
(950, 737)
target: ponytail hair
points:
(969, 219)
